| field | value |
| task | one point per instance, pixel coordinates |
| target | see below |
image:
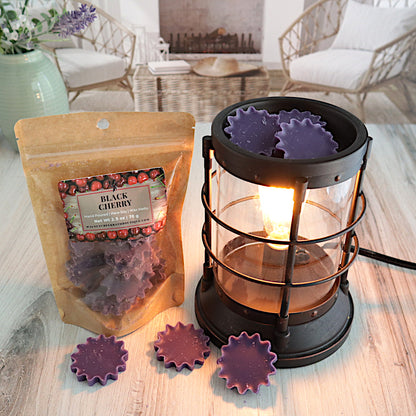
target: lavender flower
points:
(20, 33)
(74, 21)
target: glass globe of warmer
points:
(267, 212)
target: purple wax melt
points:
(182, 346)
(115, 275)
(126, 287)
(253, 130)
(287, 116)
(246, 362)
(305, 140)
(99, 301)
(99, 359)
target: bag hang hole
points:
(103, 124)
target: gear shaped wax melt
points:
(99, 359)
(253, 130)
(287, 116)
(305, 140)
(182, 346)
(246, 362)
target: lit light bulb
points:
(277, 208)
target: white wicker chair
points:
(100, 56)
(315, 30)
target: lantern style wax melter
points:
(282, 195)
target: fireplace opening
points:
(215, 27)
(219, 41)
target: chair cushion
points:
(340, 68)
(367, 27)
(83, 67)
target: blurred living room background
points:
(164, 28)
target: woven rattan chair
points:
(101, 56)
(309, 54)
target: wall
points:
(278, 15)
(110, 6)
(140, 13)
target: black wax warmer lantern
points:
(279, 237)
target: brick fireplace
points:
(143, 16)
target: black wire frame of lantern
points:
(307, 335)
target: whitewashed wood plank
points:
(372, 374)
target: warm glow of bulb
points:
(277, 207)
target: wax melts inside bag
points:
(107, 191)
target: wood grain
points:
(374, 372)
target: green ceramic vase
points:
(30, 86)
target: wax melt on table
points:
(99, 359)
(305, 140)
(253, 130)
(246, 362)
(182, 346)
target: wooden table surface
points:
(374, 372)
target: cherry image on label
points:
(115, 206)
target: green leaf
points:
(53, 12)
(25, 6)
(11, 15)
(51, 22)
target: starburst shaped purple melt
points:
(246, 362)
(305, 140)
(182, 346)
(286, 116)
(99, 359)
(253, 130)
(126, 286)
(115, 275)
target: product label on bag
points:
(126, 205)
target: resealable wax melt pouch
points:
(107, 191)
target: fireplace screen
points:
(218, 41)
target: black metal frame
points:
(309, 336)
